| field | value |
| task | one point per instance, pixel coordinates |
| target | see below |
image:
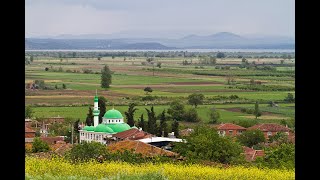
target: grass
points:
(203, 111)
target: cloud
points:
(54, 19)
(273, 17)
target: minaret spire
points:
(96, 111)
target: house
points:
(131, 134)
(27, 123)
(252, 154)
(270, 129)
(29, 133)
(229, 129)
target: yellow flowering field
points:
(59, 167)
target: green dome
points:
(119, 127)
(103, 128)
(85, 128)
(113, 114)
(89, 128)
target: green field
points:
(172, 81)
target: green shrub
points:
(39, 146)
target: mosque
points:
(112, 123)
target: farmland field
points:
(170, 82)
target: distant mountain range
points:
(222, 40)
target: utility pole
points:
(153, 69)
(71, 133)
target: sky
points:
(159, 18)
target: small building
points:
(252, 154)
(29, 133)
(229, 129)
(270, 129)
(27, 123)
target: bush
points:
(39, 146)
(191, 115)
(282, 156)
(87, 151)
(87, 71)
(250, 138)
(204, 143)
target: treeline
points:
(167, 54)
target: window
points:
(222, 133)
(90, 136)
(112, 120)
(230, 131)
(239, 132)
(269, 133)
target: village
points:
(114, 133)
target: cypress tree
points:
(106, 77)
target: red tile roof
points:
(270, 127)
(132, 134)
(139, 147)
(29, 130)
(229, 126)
(252, 154)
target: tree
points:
(280, 157)
(191, 115)
(64, 86)
(282, 61)
(102, 107)
(74, 54)
(86, 151)
(257, 111)
(28, 112)
(159, 64)
(106, 77)
(99, 58)
(56, 86)
(251, 137)
(290, 98)
(152, 121)
(279, 137)
(163, 124)
(141, 123)
(176, 110)
(89, 119)
(204, 143)
(147, 90)
(46, 69)
(195, 99)
(130, 114)
(214, 115)
(221, 55)
(175, 128)
(39, 146)
(31, 58)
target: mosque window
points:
(109, 120)
(112, 120)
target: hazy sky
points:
(159, 18)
